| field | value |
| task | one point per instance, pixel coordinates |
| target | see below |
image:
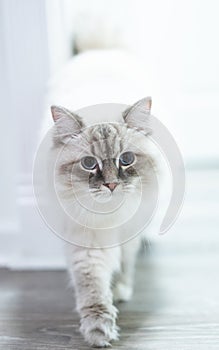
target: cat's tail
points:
(97, 31)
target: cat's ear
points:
(67, 124)
(138, 115)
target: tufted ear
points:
(138, 115)
(68, 124)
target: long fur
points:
(105, 274)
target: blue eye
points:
(89, 163)
(127, 158)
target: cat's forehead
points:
(107, 140)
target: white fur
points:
(93, 77)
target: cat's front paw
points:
(98, 326)
(122, 292)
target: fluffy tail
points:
(96, 31)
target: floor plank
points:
(175, 306)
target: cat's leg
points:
(123, 288)
(92, 271)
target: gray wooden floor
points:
(176, 300)
(175, 306)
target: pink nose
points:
(111, 186)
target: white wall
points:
(178, 43)
(9, 223)
(28, 57)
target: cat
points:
(98, 162)
(104, 157)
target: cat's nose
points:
(111, 186)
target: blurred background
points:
(178, 43)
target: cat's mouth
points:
(106, 191)
(111, 191)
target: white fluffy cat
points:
(105, 274)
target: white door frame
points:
(32, 38)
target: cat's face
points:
(104, 159)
